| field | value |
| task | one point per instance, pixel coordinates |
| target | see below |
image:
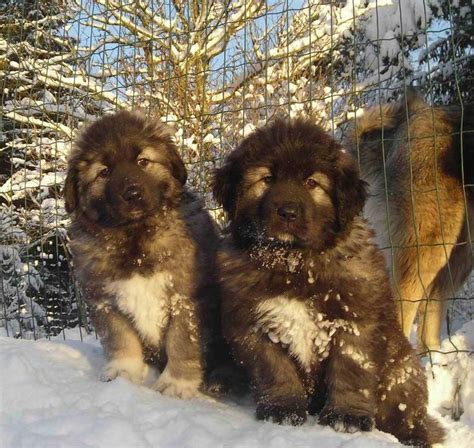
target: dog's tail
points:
(378, 122)
(425, 432)
(434, 430)
(387, 116)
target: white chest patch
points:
(146, 301)
(306, 334)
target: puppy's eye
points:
(104, 173)
(267, 179)
(143, 162)
(311, 184)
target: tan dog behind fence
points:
(419, 163)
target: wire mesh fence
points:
(216, 70)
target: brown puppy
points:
(416, 160)
(144, 252)
(307, 305)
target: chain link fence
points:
(216, 70)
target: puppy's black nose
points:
(132, 194)
(288, 211)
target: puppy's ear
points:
(164, 132)
(224, 187)
(350, 190)
(178, 170)
(71, 196)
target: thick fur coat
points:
(307, 305)
(144, 253)
(419, 163)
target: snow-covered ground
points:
(50, 396)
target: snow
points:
(454, 373)
(51, 397)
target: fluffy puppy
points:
(144, 252)
(307, 306)
(419, 163)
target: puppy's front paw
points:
(346, 420)
(177, 387)
(292, 414)
(133, 369)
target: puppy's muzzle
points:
(289, 212)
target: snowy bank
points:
(51, 397)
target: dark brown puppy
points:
(307, 305)
(144, 252)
